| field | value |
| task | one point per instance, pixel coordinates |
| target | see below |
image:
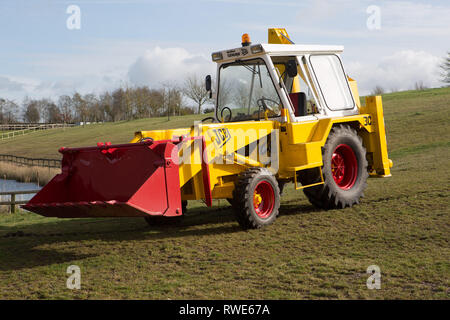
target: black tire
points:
(231, 202)
(167, 221)
(281, 185)
(251, 215)
(339, 190)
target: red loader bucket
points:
(128, 180)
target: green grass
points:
(402, 225)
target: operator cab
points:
(255, 82)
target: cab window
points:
(246, 92)
(300, 93)
(332, 82)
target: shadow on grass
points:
(21, 246)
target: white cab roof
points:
(285, 49)
(276, 50)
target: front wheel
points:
(344, 171)
(256, 198)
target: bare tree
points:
(393, 89)
(80, 107)
(141, 107)
(8, 111)
(92, 106)
(378, 90)
(118, 103)
(66, 108)
(156, 102)
(31, 113)
(225, 94)
(106, 103)
(43, 105)
(127, 106)
(445, 67)
(240, 97)
(53, 114)
(194, 88)
(419, 85)
(2, 102)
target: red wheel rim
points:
(263, 199)
(344, 166)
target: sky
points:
(393, 44)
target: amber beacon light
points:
(246, 40)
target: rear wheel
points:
(344, 171)
(256, 198)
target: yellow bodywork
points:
(298, 145)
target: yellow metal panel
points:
(354, 87)
(280, 36)
(223, 191)
(160, 134)
(381, 162)
(301, 132)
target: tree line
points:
(125, 103)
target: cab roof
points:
(274, 50)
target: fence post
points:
(13, 203)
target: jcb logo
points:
(222, 136)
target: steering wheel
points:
(209, 118)
(146, 139)
(229, 110)
(262, 102)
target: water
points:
(12, 185)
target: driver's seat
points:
(300, 103)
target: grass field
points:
(402, 225)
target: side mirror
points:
(208, 83)
(291, 68)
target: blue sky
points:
(151, 41)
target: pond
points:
(12, 185)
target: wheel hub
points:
(263, 199)
(344, 166)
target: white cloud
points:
(17, 89)
(104, 65)
(399, 71)
(160, 65)
(7, 84)
(409, 17)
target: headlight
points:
(257, 49)
(217, 56)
